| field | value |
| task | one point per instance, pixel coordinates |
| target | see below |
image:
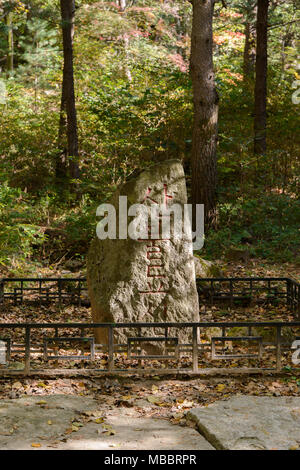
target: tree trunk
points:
(61, 159)
(126, 60)
(10, 40)
(249, 12)
(205, 98)
(68, 93)
(260, 94)
(249, 52)
(122, 5)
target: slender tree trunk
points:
(10, 54)
(249, 52)
(126, 61)
(249, 10)
(260, 94)
(286, 41)
(68, 93)
(61, 159)
(122, 5)
(205, 98)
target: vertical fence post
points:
(223, 342)
(288, 293)
(278, 348)
(15, 296)
(110, 348)
(59, 291)
(1, 291)
(40, 292)
(82, 332)
(298, 302)
(231, 292)
(195, 349)
(22, 286)
(27, 350)
(79, 293)
(211, 293)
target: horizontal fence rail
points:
(143, 348)
(44, 290)
(236, 290)
(244, 290)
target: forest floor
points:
(139, 413)
(254, 267)
(155, 397)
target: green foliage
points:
(26, 143)
(75, 228)
(134, 105)
(266, 225)
(17, 236)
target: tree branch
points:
(283, 24)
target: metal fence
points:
(247, 290)
(143, 348)
(70, 348)
(44, 290)
(235, 290)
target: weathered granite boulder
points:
(144, 280)
(205, 268)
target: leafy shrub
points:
(266, 225)
(17, 237)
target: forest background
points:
(134, 104)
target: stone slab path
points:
(249, 422)
(68, 422)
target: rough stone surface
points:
(248, 422)
(24, 422)
(2, 352)
(205, 268)
(144, 281)
(135, 433)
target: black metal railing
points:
(246, 290)
(235, 290)
(29, 348)
(183, 348)
(44, 290)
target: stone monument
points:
(144, 280)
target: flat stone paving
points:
(45, 423)
(249, 422)
(68, 422)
